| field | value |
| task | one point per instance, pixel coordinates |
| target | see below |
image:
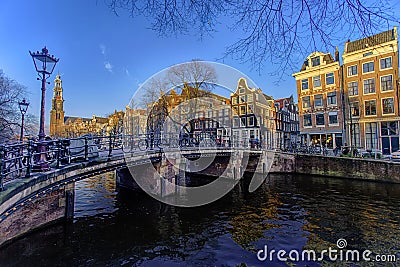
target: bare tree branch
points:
(281, 32)
(10, 117)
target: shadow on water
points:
(120, 228)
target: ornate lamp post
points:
(44, 65)
(23, 107)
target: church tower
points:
(57, 110)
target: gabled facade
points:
(320, 101)
(370, 68)
(252, 116)
(287, 122)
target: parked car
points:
(371, 153)
(395, 155)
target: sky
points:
(104, 58)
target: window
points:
(243, 122)
(318, 100)
(352, 70)
(331, 98)
(304, 84)
(389, 128)
(315, 61)
(370, 107)
(241, 90)
(250, 98)
(352, 88)
(250, 121)
(388, 105)
(333, 117)
(319, 118)
(330, 78)
(386, 83)
(234, 100)
(250, 108)
(369, 86)
(355, 135)
(368, 67)
(317, 81)
(235, 110)
(251, 133)
(236, 122)
(242, 110)
(197, 125)
(370, 135)
(306, 102)
(243, 99)
(307, 120)
(355, 109)
(386, 63)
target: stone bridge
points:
(28, 203)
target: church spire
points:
(57, 109)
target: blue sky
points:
(104, 57)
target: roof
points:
(268, 97)
(68, 119)
(373, 40)
(281, 101)
(327, 58)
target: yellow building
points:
(135, 121)
(320, 105)
(57, 109)
(370, 67)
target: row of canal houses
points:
(352, 100)
(246, 117)
(356, 102)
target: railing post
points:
(28, 159)
(2, 166)
(59, 147)
(20, 158)
(86, 149)
(109, 146)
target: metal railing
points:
(20, 160)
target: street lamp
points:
(23, 107)
(44, 65)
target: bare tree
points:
(196, 80)
(10, 117)
(189, 81)
(197, 75)
(274, 31)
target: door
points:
(395, 143)
(386, 145)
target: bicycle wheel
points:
(142, 144)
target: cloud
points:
(102, 49)
(127, 72)
(108, 66)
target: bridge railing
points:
(20, 160)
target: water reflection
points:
(287, 212)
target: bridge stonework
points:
(27, 204)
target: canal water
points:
(288, 212)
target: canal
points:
(118, 228)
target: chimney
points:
(337, 54)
